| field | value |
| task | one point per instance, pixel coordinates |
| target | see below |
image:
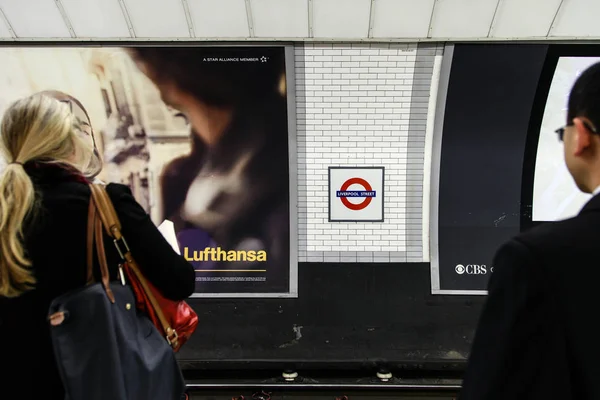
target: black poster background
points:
(491, 94)
(253, 212)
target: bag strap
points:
(94, 234)
(90, 242)
(112, 225)
(102, 259)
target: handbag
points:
(104, 347)
(176, 319)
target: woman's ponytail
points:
(17, 198)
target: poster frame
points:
(436, 156)
(289, 56)
(292, 179)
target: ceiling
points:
(310, 20)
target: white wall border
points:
(436, 155)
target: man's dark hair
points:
(204, 73)
(584, 100)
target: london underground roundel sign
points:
(356, 194)
(367, 194)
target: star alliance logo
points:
(263, 59)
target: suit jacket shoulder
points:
(562, 243)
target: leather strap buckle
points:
(125, 249)
(172, 336)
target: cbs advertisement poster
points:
(202, 136)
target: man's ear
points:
(582, 136)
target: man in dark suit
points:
(536, 337)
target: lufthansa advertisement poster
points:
(205, 138)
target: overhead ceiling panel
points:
(401, 18)
(35, 18)
(280, 18)
(524, 18)
(577, 18)
(345, 20)
(225, 18)
(332, 20)
(96, 18)
(158, 18)
(462, 18)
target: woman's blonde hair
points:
(96, 164)
(37, 127)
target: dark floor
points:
(364, 395)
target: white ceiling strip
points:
(310, 19)
(250, 19)
(494, 18)
(555, 17)
(7, 23)
(188, 17)
(127, 18)
(371, 18)
(431, 19)
(65, 17)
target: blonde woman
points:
(44, 199)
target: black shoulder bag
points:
(104, 348)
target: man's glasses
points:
(561, 131)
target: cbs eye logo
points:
(471, 269)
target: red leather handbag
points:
(176, 319)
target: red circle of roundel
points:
(363, 204)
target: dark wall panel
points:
(346, 316)
(490, 97)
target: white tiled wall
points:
(362, 105)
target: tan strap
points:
(112, 225)
(102, 259)
(107, 211)
(90, 242)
